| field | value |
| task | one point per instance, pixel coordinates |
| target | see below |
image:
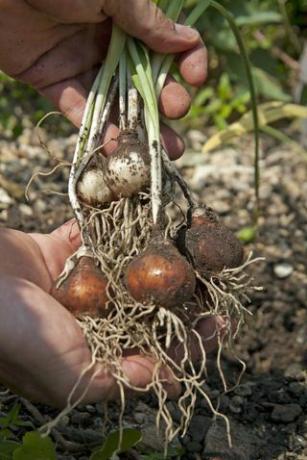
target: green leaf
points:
(261, 17)
(35, 447)
(12, 419)
(6, 449)
(247, 234)
(129, 439)
(269, 87)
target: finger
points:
(138, 372)
(172, 142)
(57, 247)
(193, 65)
(174, 101)
(157, 31)
(68, 234)
(69, 96)
(72, 56)
(209, 330)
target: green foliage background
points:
(267, 26)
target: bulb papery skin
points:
(92, 188)
(127, 171)
(84, 292)
(161, 276)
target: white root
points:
(83, 157)
(133, 107)
(123, 92)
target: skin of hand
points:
(42, 348)
(57, 46)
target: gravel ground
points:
(267, 411)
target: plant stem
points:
(122, 91)
(144, 83)
(161, 63)
(115, 51)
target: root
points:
(44, 174)
(116, 235)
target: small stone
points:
(98, 422)
(90, 409)
(139, 417)
(174, 411)
(5, 199)
(80, 417)
(286, 413)
(196, 139)
(295, 370)
(244, 390)
(296, 388)
(198, 427)
(235, 409)
(237, 400)
(194, 446)
(26, 210)
(283, 270)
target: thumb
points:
(144, 20)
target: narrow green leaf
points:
(35, 447)
(129, 439)
(6, 449)
(197, 12)
(261, 17)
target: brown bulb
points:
(211, 244)
(84, 292)
(161, 276)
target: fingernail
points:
(187, 32)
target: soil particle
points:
(286, 413)
(271, 424)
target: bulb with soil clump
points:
(211, 244)
(161, 275)
(84, 292)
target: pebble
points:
(286, 413)
(5, 199)
(199, 427)
(194, 446)
(283, 270)
(244, 390)
(90, 409)
(297, 389)
(236, 404)
(26, 210)
(295, 370)
(196, 139)
(80, 417)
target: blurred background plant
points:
(273, 31)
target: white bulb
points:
(127, 174)
(92, 188)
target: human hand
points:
(57, 46)
(42, 348)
